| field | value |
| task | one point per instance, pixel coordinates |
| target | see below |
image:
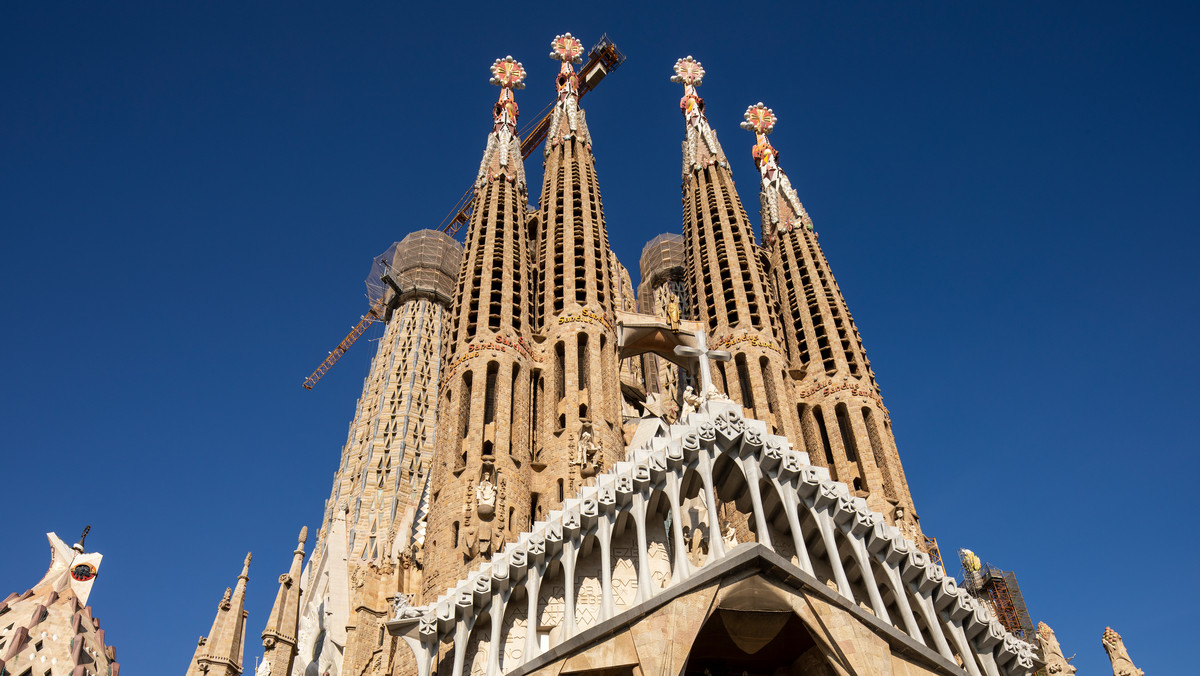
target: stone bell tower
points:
(578, 425)
(483, 437)
(726, 279)
(834, 397)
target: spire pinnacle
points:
(701, 148)
(502, 157)
(246, 568)
(508, 74)
(781, 207)
(690, 74)
(566, 120)
(569, 50)
(78, 546)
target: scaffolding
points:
(999, 589)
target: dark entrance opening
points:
(756, 643)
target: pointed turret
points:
(1114, 645)
(578, 391)
(52, 623)
(279, 638)
(220, 653)
(483, 436)
(730, 289)
(843, 422)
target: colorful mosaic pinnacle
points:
(688, 72)
(759, 119)
(508, 73)
(566, 48)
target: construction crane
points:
(602, 60)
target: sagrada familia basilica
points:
(550, 472)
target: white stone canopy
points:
(795, 511)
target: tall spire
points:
(503, 154)
(841, 416)
(279, 638)
(220, 653)
(728, 284)
(483, 432)
(781, 207)
(701, 148)
(577, 391)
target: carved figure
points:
(264, 668)
(691, 402)
(1114, 645)
(713, 394)
(673, 315)
(485, 496)
(402, 608)
(1052, 652)
(730, 535)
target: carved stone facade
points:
(513, 498)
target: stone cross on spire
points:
(781, 207)
(701, 148)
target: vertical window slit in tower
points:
(819, 417)
(512, 414)
(847, 432)
(743, 372)
(889, 488)
(560, 377)
(533, 509)
(454, 530)
(764, 366)
(582, 368)
(560, 491)
(464, 420)
(535, 411)
(724, 381)
(489, 393)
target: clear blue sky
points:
(191, 194)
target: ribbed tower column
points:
(482, 463)
(725, 275)
(578, 389)
(373, 519)
(844, 423)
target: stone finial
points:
(78, 546)
(1114, 645)
(566, 48)
(1056, 663)
(303, 535)
(246, 568)
(508, 73)
(759, 119)
(688, 72)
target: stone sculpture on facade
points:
(1114, 645)
(485, 496)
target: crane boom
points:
(372, 316)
